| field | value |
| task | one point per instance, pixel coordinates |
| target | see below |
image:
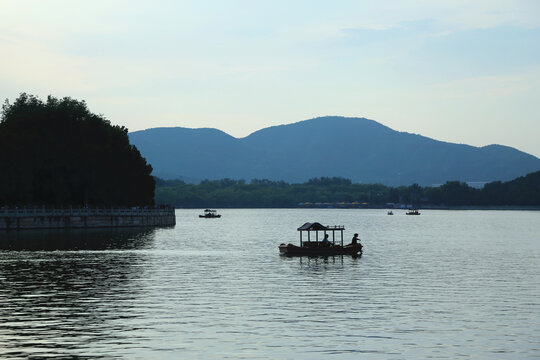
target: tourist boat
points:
(412, 212)
(210, 214)
(316, 247)
(390, 213)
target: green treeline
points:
(523, 191)
(56, 152)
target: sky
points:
(454, 70)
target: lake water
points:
(443, 285)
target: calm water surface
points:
(443, 285)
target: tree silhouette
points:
(57, 152)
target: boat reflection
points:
(322, 263)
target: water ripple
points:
(443, 285)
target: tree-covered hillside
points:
(56, 152)
(523, 191)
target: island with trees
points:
(56, 154)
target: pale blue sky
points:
(459, 71)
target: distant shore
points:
(414, 206)
(522, 193)
(382, 207)
(494, 207)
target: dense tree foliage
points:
(524, 190)
(265, 193)
(58, 153)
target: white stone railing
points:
(85, 211)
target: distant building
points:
(477, 184)
(473, 184)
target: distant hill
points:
(355, 148)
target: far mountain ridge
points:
(359, 149)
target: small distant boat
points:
(412, 212)
(390, 213)
(320, 248)
(210, 214)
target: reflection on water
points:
(321, 262)
(52, 302)
(77, 239)
(55, 303)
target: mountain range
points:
(358, 149)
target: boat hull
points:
(209, 217)
(293, 250)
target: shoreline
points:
(427, 207)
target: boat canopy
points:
(315, 226)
